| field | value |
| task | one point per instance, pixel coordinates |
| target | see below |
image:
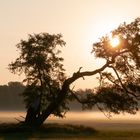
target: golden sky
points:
(81, 22)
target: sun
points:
(114, 41)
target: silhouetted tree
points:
(48, 90)
(40, 62)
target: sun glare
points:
(114, 41)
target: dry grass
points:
(63, 132)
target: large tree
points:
(48, 89)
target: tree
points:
(40, 62)
(48, 90)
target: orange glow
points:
(114, 41)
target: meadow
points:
(53, 131)
(83, 126)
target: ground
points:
(53, 131)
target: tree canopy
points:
(48, 89)
(40, 62)
(124, 76)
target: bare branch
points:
(78, 74)
(76, 97)
(108, 116)
(80, 69)
(84, 101)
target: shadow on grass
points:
(22, 132)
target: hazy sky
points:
(81, 22)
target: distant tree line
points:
(10, 96)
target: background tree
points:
(48, 90)
(10, 96)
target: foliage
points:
(121, 80)
(39, 60)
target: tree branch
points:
(76, 97)
(106, 115)
(79, 74)
(123, 86)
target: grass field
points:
(64, 132)
(70, 128)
